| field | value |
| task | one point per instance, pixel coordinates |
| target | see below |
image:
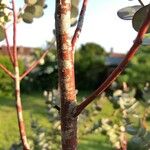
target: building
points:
(113, 60)
(24, 53)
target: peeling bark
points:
(66, 75)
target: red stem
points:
(119, 69)
(7, 71)
(8, 48)
(80, 24)
(36, 62)
(140, 1)
(14, 34)
(17, 85)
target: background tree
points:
(90, 66)
(137, 71)
(45, 76)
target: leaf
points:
(74, 11)
(139, 18)
(136, 140)
(73, 22)
(131, 130)
(141, 131)
(2, 33)
(41, 3)
(75, 2)
(147, 137)
(30, 2)
(127, 13)
(38, 11)
(27, 17)
(6, 18)
(30, 9)
(2, 14)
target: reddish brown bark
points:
(80, 24)
(66, 75)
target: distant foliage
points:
(5, 81)
(138, 70)
(44, 77)
(133, 122)
(90, 67)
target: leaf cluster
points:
(34, 9)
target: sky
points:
(101, 26)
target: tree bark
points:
(66, 75)
(17, 84)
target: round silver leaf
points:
(27, 17)
(75, 2)
(30, 2)
(30, 9)
(73, 22)
(127, 13)
(139, 18)
(74, 11)
(38, 11)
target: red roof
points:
(21, 50)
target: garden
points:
(44, 104)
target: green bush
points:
(43, 77)
(138, 73)
(6, 83)
(90, 66)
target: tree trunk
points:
(66, 75)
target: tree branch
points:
(8, 7)
(8, 48)
(7, 71)
(57, 107)
(79, 25)
(119, 69)
(19, 108)
(37, 61)
(140, 1)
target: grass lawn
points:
(94, 142)
(8, 123)
(34, 104)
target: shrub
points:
(6, 83)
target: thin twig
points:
(14, 35)
(8, 8)
(37, 61)
(140, 1)
(57, 107)
(18, 14)
(119, 69)
(8, 48)
(7, 71)
(79, 25)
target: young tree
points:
(69, 109)
(32, 9)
